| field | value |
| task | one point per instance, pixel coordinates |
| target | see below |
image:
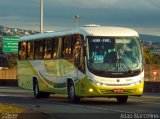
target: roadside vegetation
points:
(149, 57)
(6, 108)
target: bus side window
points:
(38, 49)
(30, 50)
(48, 48)
(22, 52)
(67, 45)
(55, 48)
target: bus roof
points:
(86, 31)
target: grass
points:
(8, 111)
(7, 108)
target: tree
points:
(12, 60)
(155, 59)
(149, 57)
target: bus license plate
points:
(118, 90)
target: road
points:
(58, 106)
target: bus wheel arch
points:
(37, 93)
(35, 80)
(71, 91)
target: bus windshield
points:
(113, 55)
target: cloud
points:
(107, 4)
(148, 30)
(58, 14)
(154, 4)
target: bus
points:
(89, 61)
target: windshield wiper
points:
(129, 69)
(120, 60)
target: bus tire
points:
(72, 95)
(37, 93)
(122, 99)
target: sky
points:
(141, 15)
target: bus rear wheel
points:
(122, 99)
(37, 93)
(72, 96)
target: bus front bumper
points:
(88, 89)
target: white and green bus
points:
(90, 61)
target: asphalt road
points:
(58, 106)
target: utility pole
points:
(41, 16)
(77, 20)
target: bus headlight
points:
(137, 83)
(133, 84)
(96, 82)
(140, 81)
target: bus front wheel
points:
(72, 95)
(39, 94)
(122, 99)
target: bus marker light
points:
(141, 89)
(90, 90)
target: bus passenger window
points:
(30, 50)
(48, 48)
(22, 51)
(67, 47)
(38, 49)
(55, 48)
